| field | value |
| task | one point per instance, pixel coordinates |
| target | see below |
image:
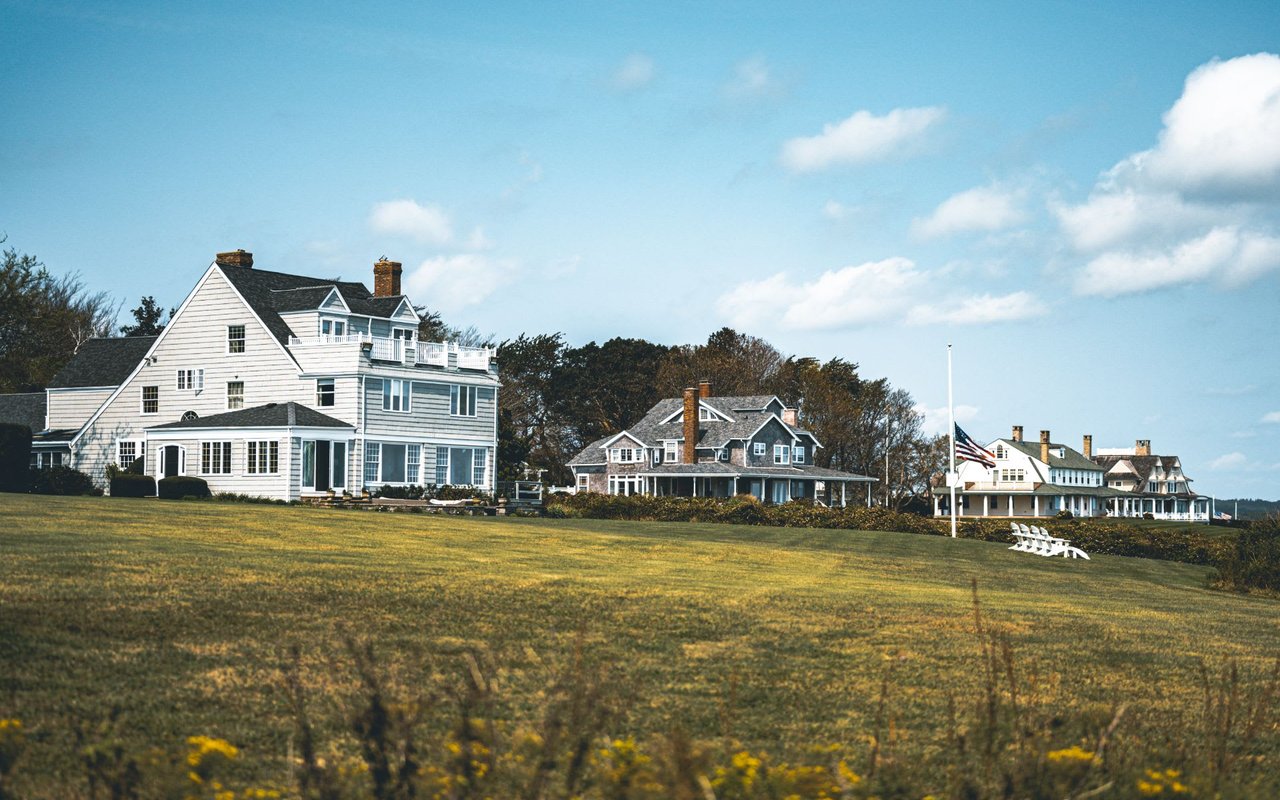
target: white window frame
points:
(670, 451)
(760, 448)
(584, 483)
(333, 393)
(782, 454)
(137, 451)
(397, 392)
(797, 454)
(372, 457)
(142, 401)
(242, 339)
(190, 380)
(222, 462)
(462, 400)
(240, 395)
(261, 457)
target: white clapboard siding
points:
(71, 408)
(197, 339)
(429, 417)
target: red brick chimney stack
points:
(704, 388)
(386, 278)
(235, 258)
(690, 454)
(1044, 446)
(1142, 447)
(791, 417)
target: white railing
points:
(406, 351)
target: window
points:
(413, 465)
(760, 448)
(722, 454)
(625, 484)
(1012, 475)
(705, 414)
(462, 401)
(126, 453)
(442, 466)
(235, 395)
(190, 380)
(797, 454)
(215, 458)
(626, 455)
(150, 399)
(324, 392)
(478, 461)
(332, 328)
(338, 457)
(461, 466)
(669, 449)
(1001, 453)
(657, 456)
(393, 463)
(262, 458)
(235, 338)
(584, 483)
(395, 395)
(372, 455)
(781, 454)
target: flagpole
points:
(951, 432)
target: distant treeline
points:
(1249, 509)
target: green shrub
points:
(61, 480)
(125, 484)
(1254, 562)
(181, 487)
(15, 457)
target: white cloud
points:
(846, 297)
(1222, 136)
(427, 224)
(860, 138)
(1197, 206)
(935, 419)
(635, 72)
(979, 310)
(833, 209)
(752, 79)
(1234, 460)
(983, 208)
(1273, 416)
(1225, 254)
(456, 281)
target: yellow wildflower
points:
(1072, 753)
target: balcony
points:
(401, 351)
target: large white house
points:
(280, 386)
(1150, 484)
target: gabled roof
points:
(102, 362)
(272, 415)
(1071, 459)
(27, 409)
(270, 293)
(1143, 466)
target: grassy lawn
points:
(177, 613)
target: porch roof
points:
(716, 469)
(1045, 490)
(272, 415)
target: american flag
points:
(969, 450)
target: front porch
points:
(1030, 506)
(767, 489)
(1172, 509)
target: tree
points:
(528, 365)
(43, 321)
(734, 363)
(148, 316)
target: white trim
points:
(244, 342)
(75, 388)
(247, 432)
(142, 401)
(617, 436)
(701, 405)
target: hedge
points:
(1095, 535)
(15, 457)
(126, 484)
(61, 480)
(180, 487)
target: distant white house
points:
(1150, 484)
(278, 385)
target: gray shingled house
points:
(707, 446)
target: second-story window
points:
(395, 395)
(235, 338)
(235, 395)
(759, 448)
(150, 399)
(190, 379)
(462, 401)
(325, 393)
(781, 454)
(797, 454)
(333, 328)
(669, 451)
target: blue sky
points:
(1083, 198)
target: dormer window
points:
(669, 451)
(1001, 453)
(781, 454)
(705, 415)
(797, 454)
(333, 328)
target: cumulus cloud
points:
(451, 282)
(1228, 255)
(979, 310)
(935, 419)
(840, 298)
(1199, 205)
(636, 72)
(983, 208)
(1234, 460)
(1273, 416)
(427, 224)
(861, 138)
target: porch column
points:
(986, 501)
(868, 494)
(1035, 506)
(735, 485)
(843, 486)
(1011, 505)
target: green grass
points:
(177, 613)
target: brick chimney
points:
(1088, 446)
(1017, 433)
(1044, 446)
(690, 426)
(235, 258)
(789, 416)
(386, 278)
(704, 388)
(1142, 447)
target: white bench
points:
(1030, 539)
